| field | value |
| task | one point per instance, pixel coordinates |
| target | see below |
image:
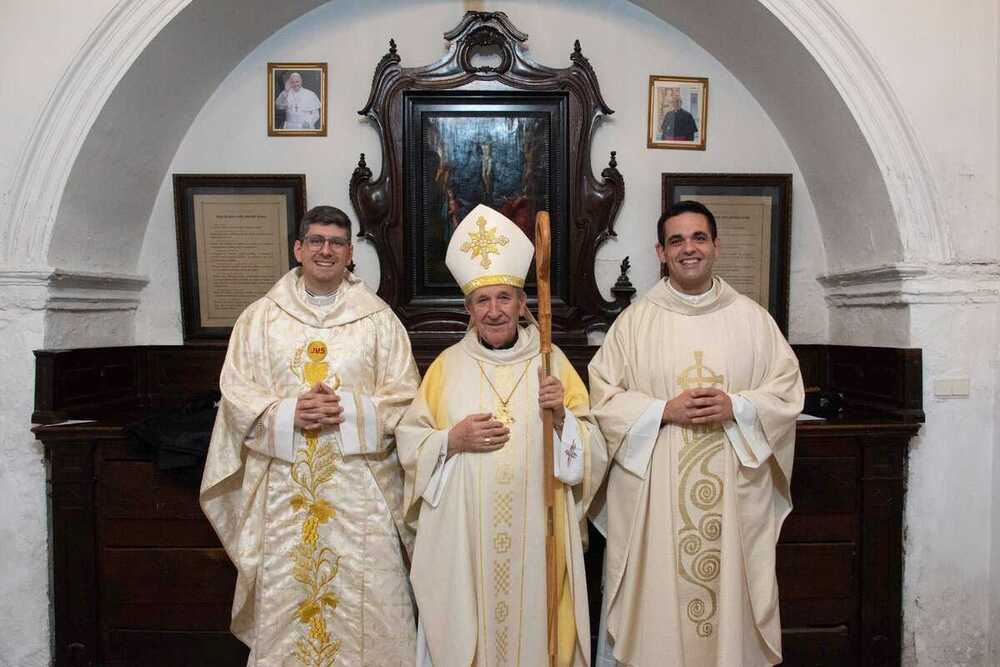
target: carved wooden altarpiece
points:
(486, 76)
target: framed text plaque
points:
(235, 237)
(753, 213)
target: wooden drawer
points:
(816, 571)
(142, 506)
(817, 647)
(131, 648)
(166, 589)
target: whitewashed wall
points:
(625, 45)
(941, 59)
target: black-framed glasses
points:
(316, 241)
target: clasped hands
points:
(318, 407)
(693, 407)
(479, 432)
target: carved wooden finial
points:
(392, 46)
(613, 163)
(361, 162)
(623, 290)
(577, 51)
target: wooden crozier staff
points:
(561, 626)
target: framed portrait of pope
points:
(296, 95)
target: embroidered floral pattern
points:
(315, 566)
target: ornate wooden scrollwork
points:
(591, 204)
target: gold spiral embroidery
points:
(699, 496)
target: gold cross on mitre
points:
(484, 243)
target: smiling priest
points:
(697, 393)
(302, 483)
(471, 448)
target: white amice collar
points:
(693, 299)
(323, 301)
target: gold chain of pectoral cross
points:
(503, 414)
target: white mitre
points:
(488, 249)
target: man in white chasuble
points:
(471, 448)
(697, 393)
(302, 481)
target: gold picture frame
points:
(300, 117)
(678, 112)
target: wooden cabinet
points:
(139, 578)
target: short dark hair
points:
(685, 206)
(324, 215)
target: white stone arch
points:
(123, 105)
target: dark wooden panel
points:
(882, 572)
(816, 571)
(137, 489)
(174, 374)
(167, 589)
(827, 485)
(883, 379)
(125, 449)
(817, 647)
(135, 648)
(817, 444)
(76, 383)
(817, 612)
(74, 567)
(884, 459)
(801, 527)
(180, 533)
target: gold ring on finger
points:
(488, 440)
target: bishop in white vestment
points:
(312, 517)
(479, 562)
(697, 393)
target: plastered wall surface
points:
(623, 43)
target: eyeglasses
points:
(317, 242)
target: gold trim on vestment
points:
(496, 279)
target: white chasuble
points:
(313, 520)
(694, 513)
(479, 561)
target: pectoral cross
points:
(502, 415)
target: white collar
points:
(693, 299)
(323, 301)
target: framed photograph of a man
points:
(296, 99)
(678, 112)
